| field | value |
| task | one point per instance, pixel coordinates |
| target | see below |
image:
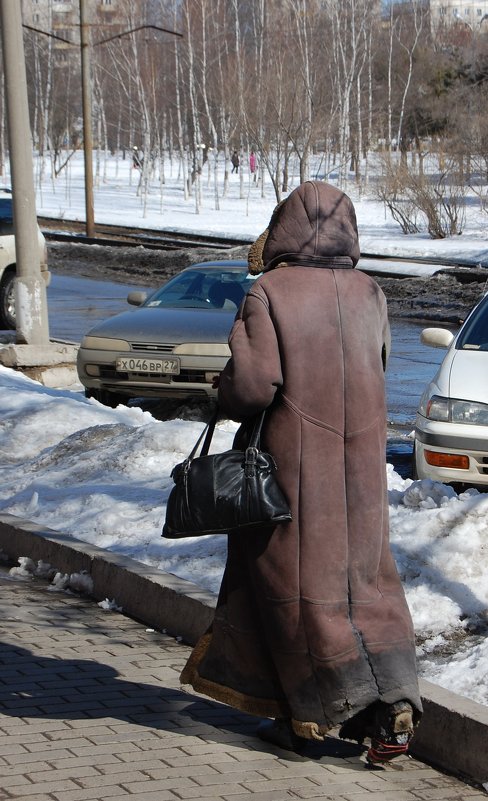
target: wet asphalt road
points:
(76, 304)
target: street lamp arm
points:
(86, 95)
(45, 33)
(102, 41)
(133, 30)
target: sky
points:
(103, 475)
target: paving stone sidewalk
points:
(91, 709)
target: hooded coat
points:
(311, 622)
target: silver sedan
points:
(173, 345)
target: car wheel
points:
(7, 300)
(111, 399)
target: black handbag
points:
(224, 492)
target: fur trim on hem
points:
(191, 668)
(261, 707)
(311, 730)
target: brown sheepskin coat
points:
(311, 621)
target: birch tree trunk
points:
(390, 89)
(301, 9)
(179, 120)
(240, 115)
(212, 126)
(349, 21)
(369, 134)
(417, 16)
(196, 167)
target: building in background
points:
(62, 20)
(447, 13)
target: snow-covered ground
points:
(116, 200)
(103, 475)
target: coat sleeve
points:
(253, 373)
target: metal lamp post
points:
(87, 119)
(86, 96)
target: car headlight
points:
(435, 408)
(102, 343)
(475, 414)
(453, 410)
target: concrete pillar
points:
(31, 299)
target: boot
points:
(392, 732)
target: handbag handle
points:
(209, 429)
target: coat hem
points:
(261, 707)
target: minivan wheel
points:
(7, 300)
(111, 399)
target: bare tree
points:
(436, 201)
(349, 20)
(304, 17)
(214, 17)
(196, 140)
(416, 18)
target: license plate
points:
(130, 364)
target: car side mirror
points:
(136, 298)
(436, 337)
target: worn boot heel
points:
(393, 732)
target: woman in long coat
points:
(311, 627)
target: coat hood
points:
(315, 225)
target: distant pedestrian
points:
(235, 161)
(253, 163)
(137, 158)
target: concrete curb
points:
(160, 600)
(453, 734)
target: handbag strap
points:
(208, 434)
(209, 429)
(256, 432)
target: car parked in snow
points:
(173, 345)
(8, 260)
(451, 427)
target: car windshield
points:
(474, 335)
(203, 289)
